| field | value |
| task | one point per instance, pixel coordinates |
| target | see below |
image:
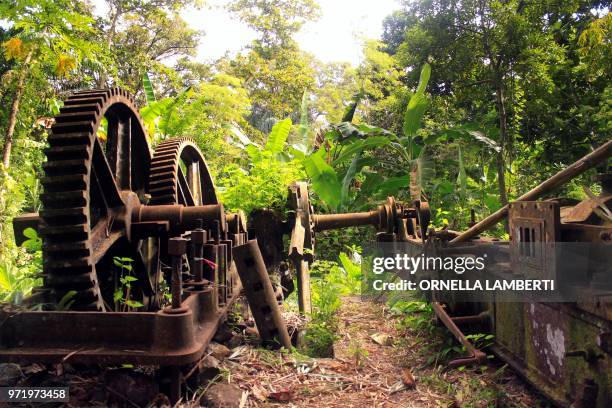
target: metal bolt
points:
(216, 232)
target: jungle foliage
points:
(466, 104)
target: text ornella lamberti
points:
(400, 264)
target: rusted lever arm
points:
(476, 356)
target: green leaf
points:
(349, 112)
(297, 152)
(371, 183)
(5, 278)
(155, 109)
(130, 278)
(133, 304)
(417, 104)
(392, 185)
(348, 178)
(253, 151)
(469, 135)
(445, 187)
(148, 88)
(30, 233)
(414, 113)
(278, 136)
(66, 301)
(358, 146)
(424, 78)
(324, 179)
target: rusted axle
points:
(180, 218)
(334, 221)
(383, 218)
(587, 162)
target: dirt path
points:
(378, 363)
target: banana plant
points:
(334, 171)
(157, 114)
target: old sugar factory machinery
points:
(141, 262)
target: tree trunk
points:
(109, 42)
(10, 131)
(503, 141)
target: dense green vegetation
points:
(466, 104)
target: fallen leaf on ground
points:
(285, 395)
(397, 387)
(382, 338)
(238, 352)
(259, 393)
(408, 379)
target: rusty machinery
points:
(108, 198)
(392, 220)
(112, 208)
(563, 348)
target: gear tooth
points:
(79, 151)
(81, 116)
(80, 108)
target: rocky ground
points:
(377, 363)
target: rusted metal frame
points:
(476, 356)
(184, 189)
(587, 162)
(148, 338)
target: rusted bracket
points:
(260, 294)
(476, 356)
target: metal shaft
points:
(181, 218)
(198, 238)
(589, 161)
(334, 221)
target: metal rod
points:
(198, 238)
(587, 162)
(177, 247)
(334, 221)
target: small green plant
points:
(123, 288)
(166, 295)
(321, 331)
(358, 353)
